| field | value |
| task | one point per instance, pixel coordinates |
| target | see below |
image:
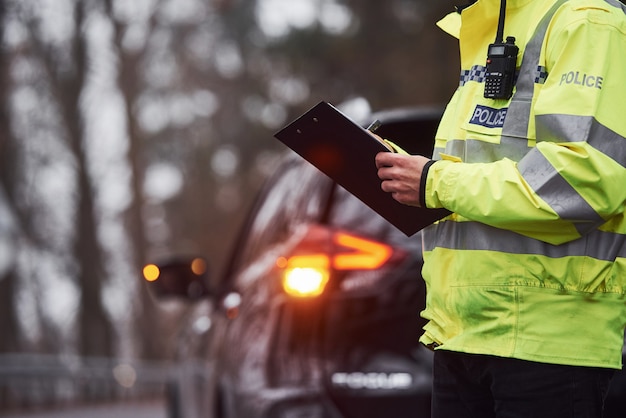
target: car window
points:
(295, 194)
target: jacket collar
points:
(460, 9)
(451, 24)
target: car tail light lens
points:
(306, 276)
(360, 253)
(322, 251)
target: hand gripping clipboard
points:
(345, 152)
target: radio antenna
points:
(500, 33)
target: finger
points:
(384, 159)
(385, 173)
(388, 186)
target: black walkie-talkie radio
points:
(501, 63)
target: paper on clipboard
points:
(345, 151)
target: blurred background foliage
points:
(131, 130)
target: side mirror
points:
(182, 277)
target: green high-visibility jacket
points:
(532, 262)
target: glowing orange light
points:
(367, 254)
(151, 272)
(282, 262)
(305, 282)
(198, 266)
(306, 276)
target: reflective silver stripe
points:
(518, 116)
(477, 151)
(548, 184)
(437, 153)
(569, 128)
(600, 245)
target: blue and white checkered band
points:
(542, 75)
(476, 73)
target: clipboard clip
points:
(373, 127)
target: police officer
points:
(526, 279)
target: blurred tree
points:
(63, 69)
(189, 94)
(148, 337)
(67, 81)
(391, 53)
(8, 278)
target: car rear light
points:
(323, 250)
(361, 253)
(306, 276)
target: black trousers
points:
(477, 386)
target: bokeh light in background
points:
(155, 138)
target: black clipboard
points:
(345, 151)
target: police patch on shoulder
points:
(488, 117)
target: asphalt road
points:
(152, 409)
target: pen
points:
(374, 126)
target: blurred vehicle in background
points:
(317, 313)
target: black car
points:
(317, 314)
